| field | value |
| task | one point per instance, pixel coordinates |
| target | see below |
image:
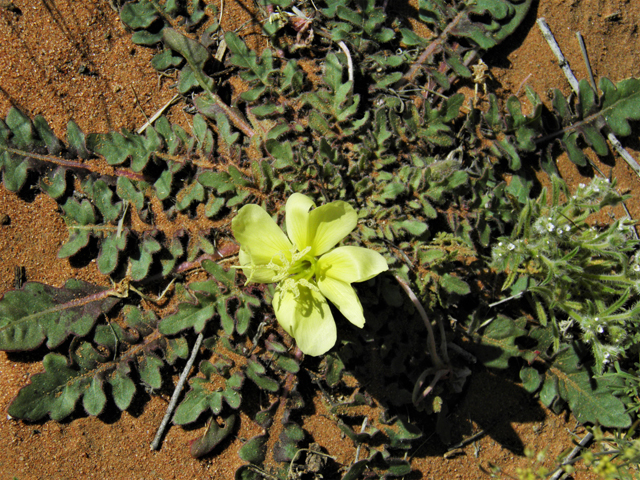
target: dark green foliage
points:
(287, 445)
(56, 391)
(617, 105)
(486, 23)
(563, 257)
(257, 72)
(65, 381)
(116, 148)
(196, 56)
(211, 297)
(584, 119)
(257, 374)
(212, 437)
(139, 14)
(569, 382)
(55, 185)
(254, 451)
(201, 398)
(38, 312)
(564, 380)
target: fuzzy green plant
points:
(555, 255)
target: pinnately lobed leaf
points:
(53, 392)
(38, 312)
(590, 399)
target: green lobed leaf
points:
(140, 14)
(165, 60)
(402, 434)
(497, 344)
(54, 146)
(531, 379)
(286, 447)
(453, 284)
(122, 387)
(102, 196)
(193, 193)
(15, 170)
(255, 450)
(163, 185)
(94, 399)
(39, 312)
(110, 249)
(118, 147)
(55, 185)
(212, 437)
(132, 191)
(22, 129)
(149, 369)
(54, 392)
(589, 398)
(620, 103)
(256, 372)
(141, 262)
(145, 37)
(188, 316)
(77, 140)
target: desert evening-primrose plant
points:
(305, 267)
(444, 201)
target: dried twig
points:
(569, 458)
(155, 445)
(344, 48)
(583, 49)
(157, 114)
(555, 48)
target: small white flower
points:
(636, 268)
(499, 244)
(551, 227)
(600, 329)
(511, 246)
(597, 319)
(596, 189)
(582, 185)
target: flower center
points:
(301, 267)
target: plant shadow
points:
(387, 358)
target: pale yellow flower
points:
(307, 270)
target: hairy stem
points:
(431, 341)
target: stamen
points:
(293, 286)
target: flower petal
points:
(329, 224)
(350, 264)
(297, 218)
(257, 274)
(307, 318)
(259, 236)
(343, 296)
